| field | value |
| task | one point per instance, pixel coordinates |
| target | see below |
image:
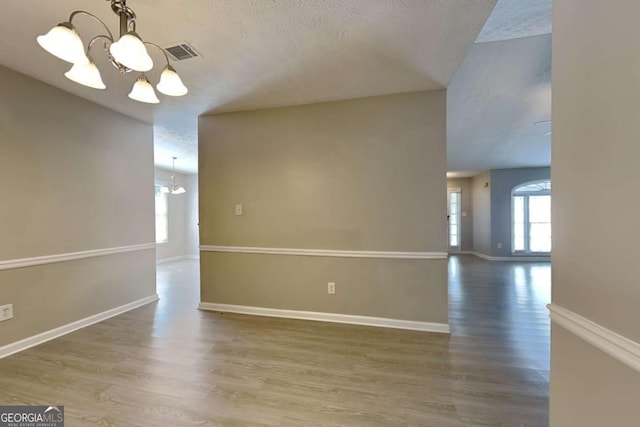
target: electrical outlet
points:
(6, 312)
(499, 245)
(331, 288)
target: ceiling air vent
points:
(181, 51)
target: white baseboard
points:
(481, 255)
(524, 258)
(328, 317)
(615, 345)
(35, 340)
(176, 258)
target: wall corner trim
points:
(71, 256)
(324, 252)
(328, 317)
(43, 337)
(625, 350)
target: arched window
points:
(531, 217)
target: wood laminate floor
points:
(168, 364)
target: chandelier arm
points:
(161, 50)
(93, 40)
(94, 17)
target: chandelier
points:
(126, 54)
(173, 186)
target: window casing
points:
(531, 217)
(162, 217)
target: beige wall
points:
(365, 174)
(595, 175)
(588, 387)
(76, 177)
(397, 289)
(481, 213)
(466, 221)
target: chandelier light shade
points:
(171, 83)
(173, 187)
(128, 53)
(64, 42)
(143, 91)
(86, 75)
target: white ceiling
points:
(258, 53)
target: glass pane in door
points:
(454, 221)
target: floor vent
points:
(181, 51)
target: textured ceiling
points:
(512, 19)
(501, 90)
(258, 53)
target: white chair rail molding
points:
(622, 348)
(72, 256)
(325, 252)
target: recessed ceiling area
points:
(257, 54)
(501, 90)
(514, 19)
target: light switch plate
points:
(6, 312)
(238, 209)
(331, 288)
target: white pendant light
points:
(63, 41)
(87, 75)
(171, 83)
(143, 91)
(174, 187)
(130, 52)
